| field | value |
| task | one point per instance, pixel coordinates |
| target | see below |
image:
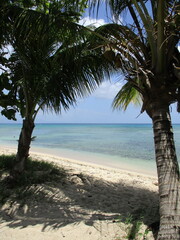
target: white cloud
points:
(107, 90)
(86, 21)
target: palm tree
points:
(49, 69)
(146, 53)
(10, 14)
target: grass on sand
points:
(36, 172)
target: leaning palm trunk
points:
(168, 174)
(23, 147)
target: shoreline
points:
(82, 159)
(93, 202)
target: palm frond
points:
(128, 94)
(128, 48)
(52, 64)
(75, 73)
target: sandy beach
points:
(95, 202)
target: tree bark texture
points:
(168, 174)
(23, 147)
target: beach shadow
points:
(78, 198)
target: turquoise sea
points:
(127, 146)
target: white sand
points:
(89, 205)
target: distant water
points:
(116, 145)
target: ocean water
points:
(128, 146)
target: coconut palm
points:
(10, 14)
(49, 69)
(146, 53)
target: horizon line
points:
(70, 123)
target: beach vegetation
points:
(54, 61)
(49, 66)
(37, 172)
(134, 228)
(134, 231)
(145, 51)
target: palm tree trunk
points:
(168, 174)
(23, 148)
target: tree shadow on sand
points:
(78, 197)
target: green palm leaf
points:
(128, 94)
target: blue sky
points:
(97, 107)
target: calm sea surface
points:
(115, 145)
